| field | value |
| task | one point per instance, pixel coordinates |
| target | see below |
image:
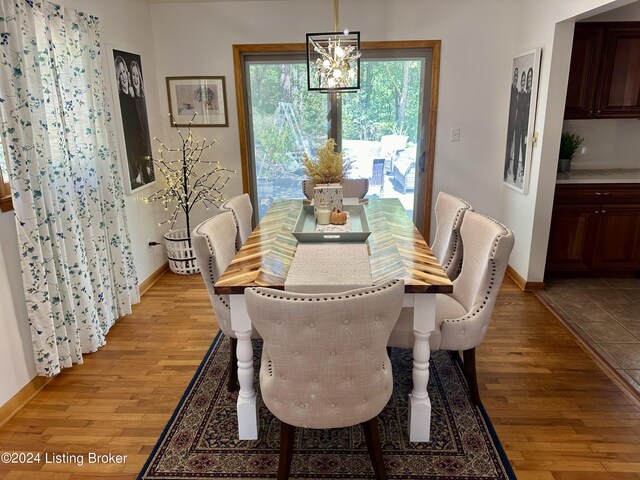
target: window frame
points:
(240, 51)
(6, 204)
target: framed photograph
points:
(206, 96)
(522, 112)
(131, 119)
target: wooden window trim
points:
(6, 204)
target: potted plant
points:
(326, 171)
(569, 144)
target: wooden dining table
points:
(397, 250)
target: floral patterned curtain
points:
(77, 265)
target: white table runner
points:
(329, 268)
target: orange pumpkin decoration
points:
(338, 217)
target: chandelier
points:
(333, 59)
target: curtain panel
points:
(77, 264)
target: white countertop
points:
(608, 175)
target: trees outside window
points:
(286, 121)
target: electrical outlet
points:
(455, 134)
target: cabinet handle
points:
(607, 193)
(597, 211)
(602, 193)
(604, 211)
(597, 193)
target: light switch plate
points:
(455, 134)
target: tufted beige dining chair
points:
(242, 211)
(324, 361)
(214, 244)
(351, 188)
(447, 246)
(462, 318)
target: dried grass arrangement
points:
(328, 167)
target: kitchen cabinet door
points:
(571, 239)
(618, 240)
(583, 73)
(619, 85)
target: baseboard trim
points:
(522, 283)
(20, 399)
(26, 393)
(153, 278)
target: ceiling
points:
(202, 1)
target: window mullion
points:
(335, 119)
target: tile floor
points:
(606, 314)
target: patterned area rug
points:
(200, 439)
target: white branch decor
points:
(184, 186)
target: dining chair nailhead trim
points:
(236, 220)
(339, 297)
(491, 281)
(212, 278)
(456, 237)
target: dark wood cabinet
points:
(617, 241)
(570, 247)
(619, 91)
(604, 76)
(595, 228)
(585, 60)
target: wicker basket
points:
(182, 257)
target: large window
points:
(286, 121)
(381, 127)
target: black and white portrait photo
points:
(135, 125)
(520, 126)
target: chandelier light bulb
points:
(339, 51)
(326, 63)
(337, 73)
(331, 82)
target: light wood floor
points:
(557, 415)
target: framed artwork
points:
(131, 119)
(522, 112)
(204, 96)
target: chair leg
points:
(372, 437)
(287, 434)
(470, 374)
(233, 385)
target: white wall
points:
(628, 13)
(16, 355)
(530, 215)
(125, 24)
(608, 143)
(479, 40)
(476, 40)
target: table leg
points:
(424, 312)
(247, 401)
